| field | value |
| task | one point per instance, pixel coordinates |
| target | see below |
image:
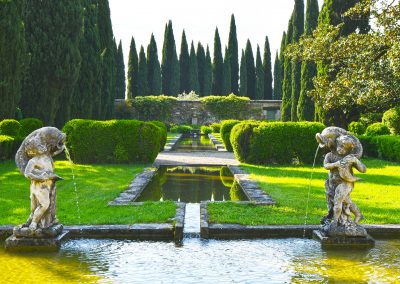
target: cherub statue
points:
(34, 159)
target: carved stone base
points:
(351, 230)
(343, 241)
(25, 232)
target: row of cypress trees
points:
(59, 59)
(293, 80)
(195, 69)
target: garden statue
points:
(345, 153)
(34, 160)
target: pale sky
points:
(254, 20)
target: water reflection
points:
(194, 143)
(193, 185)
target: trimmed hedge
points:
(227, 107)
(376, 129)
(151, 107)
(383, 147)
(28, 125)
(206, 129)
(275, 142)
(112, 141)
(357, 127)
(216, 127)
(163, 128)
(6, 147)
(184, 129)
(225, 131)
(10, 127)
(391, 119)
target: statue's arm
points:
(329, 164)
(360, 166)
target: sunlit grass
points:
(96, 186)
(170, 136)
(377, 195)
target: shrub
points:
(383, 147)
(10, 127)
(163, 132)
(6, 147)
(112, 141)
(184, 129)
(376, 129)
(150, 107)
(357, 127)
(228, 107)
(370, 118)
(192, 96)
(216, 127)
(225, 131)
(391, 119)
(206, 129)
(28, 125)
(275, 142)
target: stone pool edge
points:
(237, 231)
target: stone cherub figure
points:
(345, 153)
(34, 159)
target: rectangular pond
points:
(193, 185)
(194, 143)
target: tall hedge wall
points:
(275, 142)
(113, 141)
(382, 147)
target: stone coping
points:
(218, 144)
(168, 147)
(236, 231)
(152, 232)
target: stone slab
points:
(343, 242)
(179, 223)
(15, 244)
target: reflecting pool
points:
(194, 143)
(193, 185)
(202, 261)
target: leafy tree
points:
(217, 67)
(54, 64)
(184, 66)
(267, 66)
(170, 63)
(233, 56)
(153, 68)
(305, 106)
(287, 78)
(207, 85)
(13, 57)
(277, 78)
(133, 65)
(120, 83)
(143, 89)
(201, 62)
(260, 76)
(227, 74)
(193, 71)
(243, 76)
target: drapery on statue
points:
(34, 160)
(345, 153)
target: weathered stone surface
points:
(26, 232)
(179, 223)
(343, 241)
(15, 244)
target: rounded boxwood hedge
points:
(6, 147)
(225, 131)
(28, 125)
(391, 119)
(163, 128)
(275, 142)
(216, 127)
(357, 127)
(376, 129)
(112, 141)
(184, 129)
(205, 129)
(383, 147)
(10, 127)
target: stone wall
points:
(194, 112)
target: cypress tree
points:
(133, 65)
(13, 57)
(86, 95)
(260, 76)
(54, 64)
(282, 63)
(153, 68)
(250, 71)
(142, 74)
(184, 65)
(233, 53)
(227, 74)
(287, 79)
(207, 74)
(243, 76)
(277, 78)
(108, 51)
(120, 83)
(170, 63)
(217, 67)
(298, 29)
(305, 106)
(267, 66)
(201, 62)
(193, 71)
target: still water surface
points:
(194, 143)
(200, 261)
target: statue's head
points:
(345, 144)
(46, 140)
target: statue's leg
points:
(341, 193)
(358, 216)
(329, 194)
(33, 208)
(43, 200)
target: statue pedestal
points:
(343, 241)
(24, 239)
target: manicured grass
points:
(170, 136)
(96, 185)
(377, 196)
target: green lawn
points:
(96, 185)
(170, 136)
(377, 196)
